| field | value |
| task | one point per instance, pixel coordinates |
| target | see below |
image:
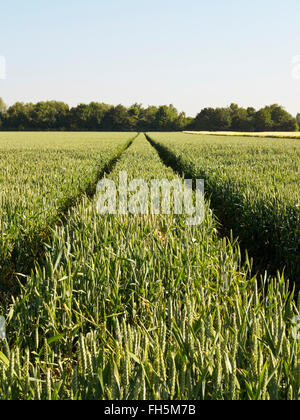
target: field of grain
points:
(146, 307)
(254, 189)
(41, 176)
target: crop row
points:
(253, 185)
(42, 175)
(145, 307)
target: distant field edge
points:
(265, 134)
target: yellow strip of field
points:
(272, 134)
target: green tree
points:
(96, 114)
(204, 120)
(282, 120)
(166, 117)
(181, 122)
(222, 119)
(189, 123)
(117, 119)
(79, 117)
(263, 120)
(134, 115)
(211, 119)
(19, 116)
(88, 117)
(239, 118)
(51, 115)
(147, 120)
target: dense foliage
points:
(234, 118)
(53, 115)
(130, 307)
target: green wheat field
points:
(131, 307)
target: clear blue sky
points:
(192, 53)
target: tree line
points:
(54, 115)
(235, 118)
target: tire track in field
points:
(261, 264)
(23, 259)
